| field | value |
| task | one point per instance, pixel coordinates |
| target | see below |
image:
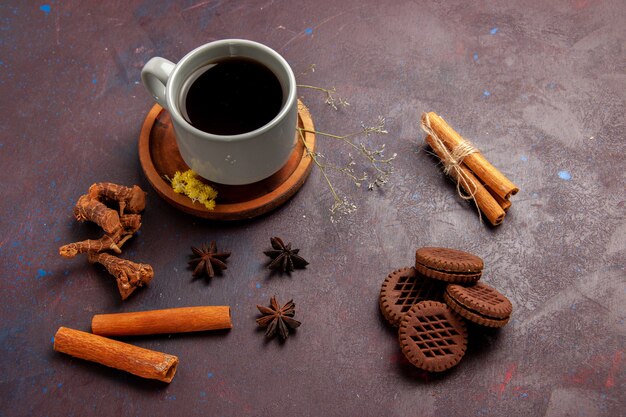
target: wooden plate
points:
(159, 157)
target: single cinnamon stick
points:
(505, 204)
(135, 360)
(477, 163)
(485, 201)
(173, 320)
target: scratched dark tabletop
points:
(539, 86)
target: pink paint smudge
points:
(507, 378)
(583, 4)
(610, 379)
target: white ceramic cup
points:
(227, 159)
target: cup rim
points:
(172, 98)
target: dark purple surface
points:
(540, 88)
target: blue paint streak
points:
(44, 390)
(203, 393)
(56, 239)
(45, 8)
(523, 395)
(523, 158)
(308, 31)
(258, 285)
(493, 31)
(94, 80)
(41, 273)
(60, 385)
(475, 57)
(53, 184)
(209, 375)
(565, 175)
(486, 93)
(15, 244)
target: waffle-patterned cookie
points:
(432, 337)
(479, 303)
(403, 288)
(450, 265)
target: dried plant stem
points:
(312, 87)
(330, 95)
(340, 206)
(379, 166)
(370, 155)
(316, 161)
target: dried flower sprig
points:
(381, 167)
(332, 99)
(311, 68)
(341, 205)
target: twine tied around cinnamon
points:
(452, 160)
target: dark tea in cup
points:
(232, 96)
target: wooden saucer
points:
(159, 157)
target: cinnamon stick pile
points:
(475, 176)
(118, 226)
(138, 361)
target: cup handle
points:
(154, 76)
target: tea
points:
(233, 96)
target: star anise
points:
(207, 260)
(278, 319)
(283, 257)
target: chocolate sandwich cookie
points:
(403, 288)
(479, 303)
(450, 265)
(432, 337)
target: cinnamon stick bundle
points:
(479, 180)
(477, 163)
(472, 186)
(135, 360)
(173, 320)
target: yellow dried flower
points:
(189, 184)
